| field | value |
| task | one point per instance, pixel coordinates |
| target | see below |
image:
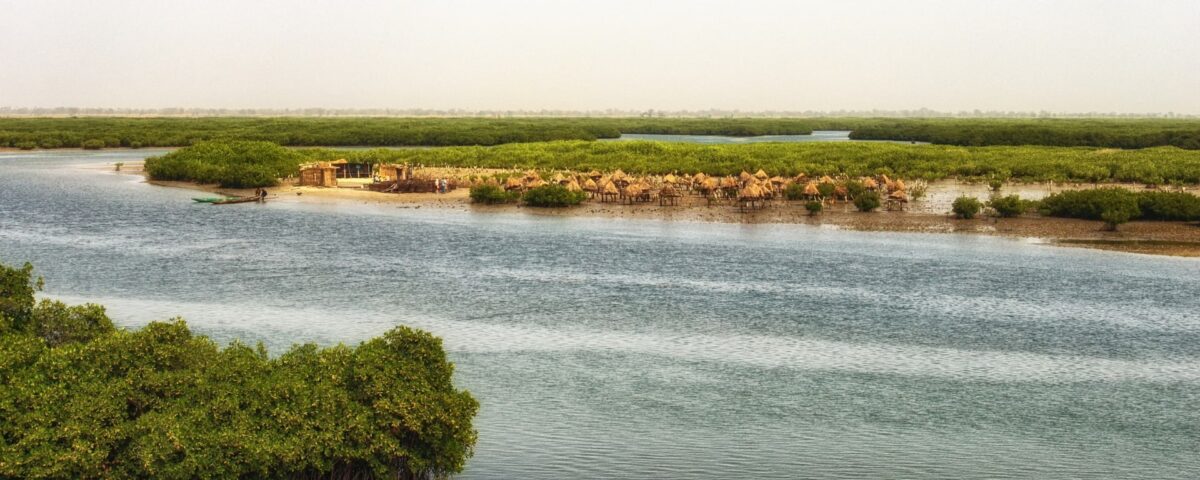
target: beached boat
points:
(209, 199)
(228, 201)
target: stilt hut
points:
(896, 200)
(752, 196)
(668, 195)
(609, 192)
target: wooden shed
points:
(318, 175)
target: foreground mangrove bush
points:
(81, 399)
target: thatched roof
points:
(898, 195)
(512, 182)
(745, 176)
(778, 180)
(532, 175)
(669, 178)
(899, 184)
(589, 185)
(537, 182)
(870, 183)
(729, 182)
(574, 186)
(826, 179)
(709, 184)
(668, 191)
(617, 175)
(594, 175)
(752, 191)
(761, 175)
(558, 177)
(633, 190)
(699, 177)
(609, 187)
(811, 189)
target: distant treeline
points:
(112, 132)
(1124, 133)
(80, 398)
(250, 164)
(30, 133)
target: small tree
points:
(553, 196)
(491, 195)
(966, 207)
(813, 207)
(1115, 216)
(93, 144)
(867, 202)
(1008, 206)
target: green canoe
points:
(209, 199)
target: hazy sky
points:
(1063, 56)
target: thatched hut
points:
(590, 186)
(668, 195)
(609, 192)
(513, 183)
(896, 200)
(573, 186)
(811, 192)
(761, 175)
(594, 175)
(745, 176)
(535, 183)
(826, 179)
(318, 175)
(870, 184)
(753, 196)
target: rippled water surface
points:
(641, 349)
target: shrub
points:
(230, 164)
(1117, 215)
(855, 188)
(966, 207)
(553, 196)
(93, 144)
(814, 207)
(867, 202)
(25, 145)
(1090, 204)
(918, 191)
(492, 194)
(826, 189)
(50, 143)
(996, 184)
(794, 191)
(135, 144)
(1009, 206)
(1178, 206)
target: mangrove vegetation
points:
(112, 132)
(80, 398)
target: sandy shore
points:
(925, 216)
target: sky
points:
(946, 55)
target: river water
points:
(645, 349)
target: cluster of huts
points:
(746, 190)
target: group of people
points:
(441, 185)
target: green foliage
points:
(1011, 205)
(17, 287)
(25, 145)
(854, 159)
(826, 190)
(1177, 206)
(160, 402)
(1091, 204)
(309, 132)
(966, 207)
(553, 196)
(1117, 215)
(794, 191)
(867, 202)
(492, 194)
(1110, 133)
(56, 323)
(93, 144)
(230, 164)
(855, 188)
(995, 184)
(814, 207)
